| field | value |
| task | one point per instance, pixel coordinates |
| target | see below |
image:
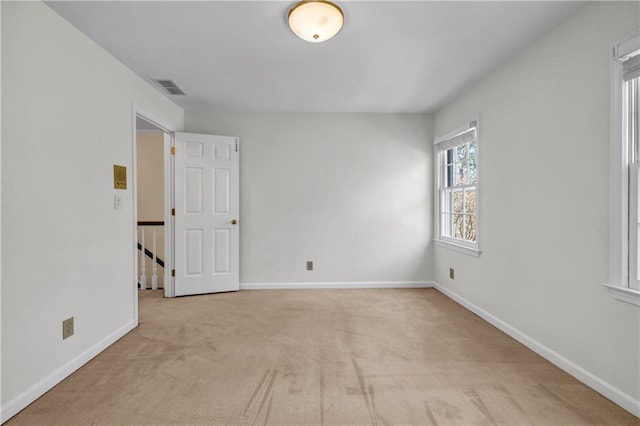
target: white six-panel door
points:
(206, 194)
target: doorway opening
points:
(153, 254)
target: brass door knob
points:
(234, 221)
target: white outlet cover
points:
(117, 202)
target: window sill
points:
(456, 247)
(624, 294)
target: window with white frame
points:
(624, 280)
(630, 92)
(457, 163)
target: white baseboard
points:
(619, 397)
(318, 285)
(20, 402)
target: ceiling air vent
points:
(170, 86)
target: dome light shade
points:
(315, 20)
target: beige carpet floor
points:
(318, 357)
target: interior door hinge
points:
(173, 212)
(173, 150)
(236, 145)
(173, 272)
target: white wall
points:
(351, 192)
(544, 172)
(150, 174)
(67, 116)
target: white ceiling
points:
(391, 56)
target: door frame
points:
(169, 291)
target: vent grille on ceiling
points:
(170, 86)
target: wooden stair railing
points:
(142, 281)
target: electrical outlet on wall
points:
(67, 328)
(452, 273)
(309, 265)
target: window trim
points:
(461, 246)
(618, 282)
(456, 247)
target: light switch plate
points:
(117, 202)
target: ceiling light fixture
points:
(315, 20)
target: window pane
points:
(461, 174)
(473, 163)
(448, 178)
(458, 226)
(470, 228)
(457, 201)
(473, 150)
(450, 156)
(461, 152)
(470, 201)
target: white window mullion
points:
(631, 114)
(634, 226)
